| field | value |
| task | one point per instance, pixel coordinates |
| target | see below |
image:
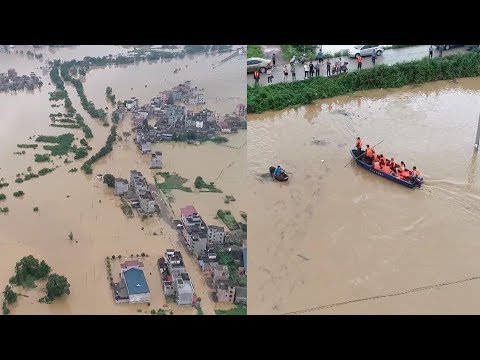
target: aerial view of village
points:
(122, 179)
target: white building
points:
(146, 147)
(156, 160)
(147, 203)
(199, 124)
(121, 186)
(134, 278)
(216, 234)
(200, 99)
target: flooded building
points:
(136, 284)
(176, 281)
(241, 295)
(216, 234)
(137, 182)
(183, 288)
(194, 230)
(146, 147)
(121, 186)
(225, 292)
(156, 160)
(220, 273)
(147, 203)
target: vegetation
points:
(85, 128)
(19, 180)
(254, 51)
(283, 95)
(42, 157)
(109, 179)
(66, 126)
(70, 236)
(27, 146)
(28, 270)
(199, 311)
(64, 121)
(57, 285)
(63, 144)
(126, 208)
(228, 219)
(80, 153)
(5, 308)
(4, 210)
(237, 310)
(73, 170)
(110, 96)
(3, 196)
(67, 161)
(243, 226)
(228, 198)
(289, 51)
(18, 193)
(219, 139)
(9, 295)
(3, 184)
(244, 215)
(172, 182)
(200, 184)
(19, 152)
(45, 171)
(87, 165)
(83, 142)
(35, 208)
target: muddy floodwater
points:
(82, 204)
(340, 240)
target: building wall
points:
(226, 296)
(200, 246)
(241, 300)
(215, 236)
(184, 297)
(140, 298)
(147, 205)
(121, 188)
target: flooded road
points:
(81, 204)
(339, 239)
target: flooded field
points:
(340, 240)
(83, 205)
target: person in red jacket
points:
(359, 62)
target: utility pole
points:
(477, 139)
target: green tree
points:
(57, 285)
(10, 295)
(109, 179)
(70, 236)
(199, 183)
(6, 310)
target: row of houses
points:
(11, 81)
(175, 278)
(138, 190)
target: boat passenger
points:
(393, 165)
(386, 169)
(278, 171)
(374, 157)
(415, 172)
(376, 165)
(402, 166)
(359, 144)
(405, 174)
(368, 152)
(382, 160)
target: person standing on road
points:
(273, 60)
(256, 76)
(305, 68)
(317, 68)
(311, 67)
(269, 76)
(374, 56)
(328, 67)
(285, 74)
(430, 51)
(359, 62)
(292, 70)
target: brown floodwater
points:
(81, 204)
(335, 235)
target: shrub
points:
(18, 193)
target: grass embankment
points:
(210, 187)
(172, 182)
(228, 219)
(87, 165)
(282, 95)
(254, 51)
(237, 310)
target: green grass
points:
(254, 51)
(201, 184)
(172, 182)
(237, 310)
(199, 311)
(42, 158)
(283, 95)
(27, 146)
(228, 219)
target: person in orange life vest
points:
(374, 157)
(368, 152)
(359, 144)
(405, 174)
(382, 160)
(386, 169)
(376, 165)
(415, 172)
(393, 165)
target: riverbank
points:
(284, 95)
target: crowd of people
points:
(388, 166)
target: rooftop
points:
(223, 285)
(136, 282)
(188, 210)
(217, 228)
(131, 263)
(146, 195)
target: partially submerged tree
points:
(57, 285)
(10, 295)
(109, 179)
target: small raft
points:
(283, 177)
(410, 183)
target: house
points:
(174, 261)
(200, 99)
(183, 286)
(216, 234)
(220, 273)
(137, 182)
(146, 147)
(121, 186)
(189, 216)
(225, 292)
(156, 160)
(164, 96)
(196, 238)
(241, 295)
(147, 203)
(136, 284)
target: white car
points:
(365, 50)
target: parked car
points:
(447, 47)
(471, 47)
(254, 64)
(365, 50)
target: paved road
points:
(389, 57)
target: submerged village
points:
(115, 189)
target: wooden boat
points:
(283, 177)
(410, 183)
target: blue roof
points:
(245, 259)
(135, 281)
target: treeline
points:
(282, 95)
(87, 165)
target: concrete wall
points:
(139, 298)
